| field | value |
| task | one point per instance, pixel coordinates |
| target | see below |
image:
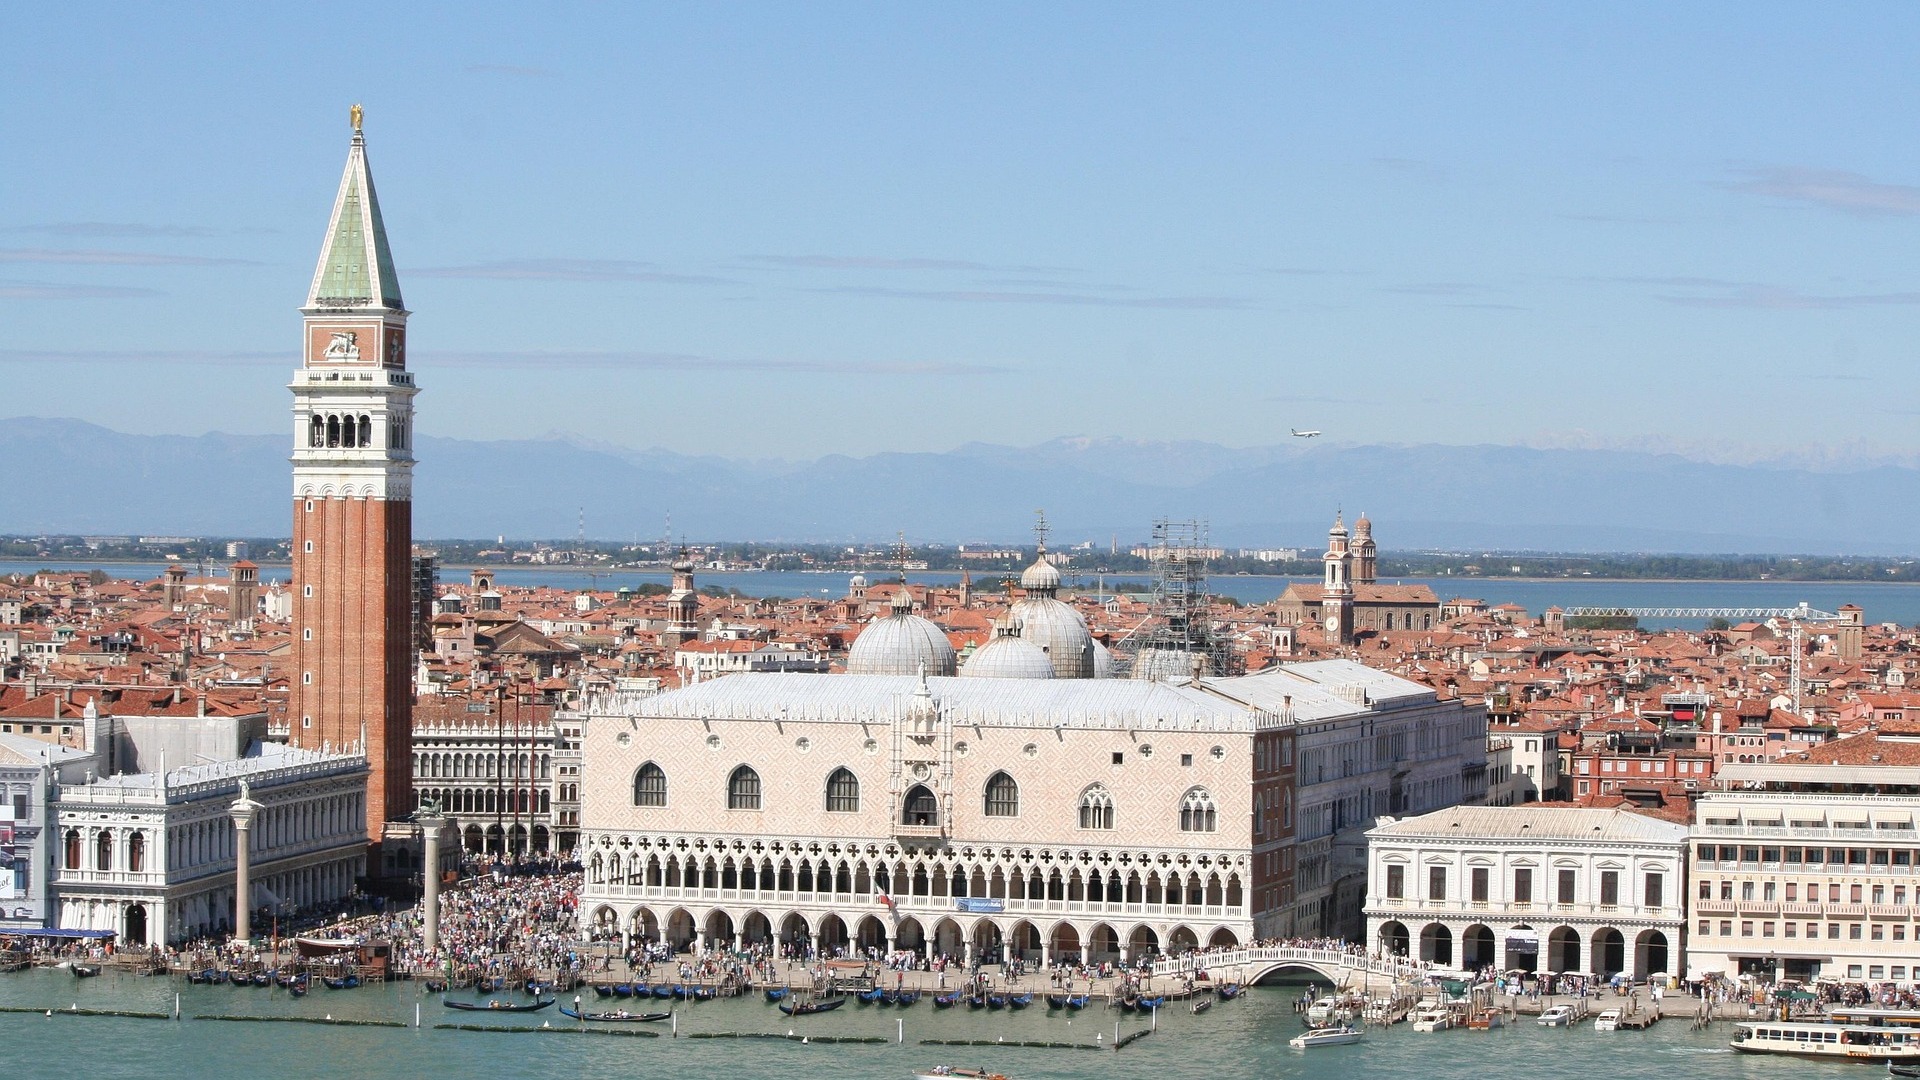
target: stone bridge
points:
(1251, 964)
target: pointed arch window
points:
(920, 807)
(743, 789)
(1198, 812)
(1002, 796)
(650, 786)
(843, 792)
(1096, 808)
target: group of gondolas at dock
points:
(800, 1003)
(296, 983)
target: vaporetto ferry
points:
(1858, 1042)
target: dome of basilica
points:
(901, 643)
(1008, 656)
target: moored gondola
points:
(1019, 1001)
(85, 971)
(620, 1016)
(1229, 991)
(341, 982)
(871, 997)
(602, 990)
(775, 993)
(1056, 1001)
(435, 986)
(497, 1005)
(1202, 1005)
(946, 1001)
(804, 1008)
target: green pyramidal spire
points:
(356, 266)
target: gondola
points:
(907, 997)
(624, 990)
(603, 990)
(203, 978)
(622, 1017)
(341, 982)
(946, 1001)
(1019, 1001)
(1148, 1004)
(537, 988)
(262, 978)
(871, 997)
(804, 1008)
(497, 1006)
(662, 991)
(1908, 1072)
(436, 986)
(1076, 1001)
(976, 1001)
(298, 987)
(702, 993)
(1229, 991)
(1056, 1001)
(239, 978)
(996, 1001)
(85, 971)
(775, 993)
(1202, 1005)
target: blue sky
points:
(788, 230)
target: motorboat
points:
(1431, 1017)
(617, 1016)
(1558, 1016)
(1607, 1021)
(1327, 1036)
(1486, 1020)
(948, 1072)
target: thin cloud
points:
(652, 361)
(112, 258)
(1670, 282)
(515, 70)
(1847, 192)
(541, 359)
(147, 356)
(115, 230)
(1774, 298)
(973, 296)
(1434, 288)
(46, 290)
(881, 262)
(567, 270)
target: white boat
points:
(1847, 1041)
(948, 1072)
(1558, 1016)
(1328, 1011)
(1331, 1036)
(1432, 1018)
(1607, 1021)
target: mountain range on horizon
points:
(70, 476)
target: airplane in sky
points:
(1304, 434)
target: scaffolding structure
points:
(1178, 637)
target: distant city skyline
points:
(760, 231)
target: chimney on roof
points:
(200, 706)
(176, 695)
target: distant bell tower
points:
(353, 502)
(683, 603)
(1336, 605)
(1366, 555)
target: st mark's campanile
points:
(353, 502)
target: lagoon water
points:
(1233, 1040)
(1883, 601)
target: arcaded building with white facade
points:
(1048, 817)
(150, 856)
(1535, 888)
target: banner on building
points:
(978, 905)
(1523, 940)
